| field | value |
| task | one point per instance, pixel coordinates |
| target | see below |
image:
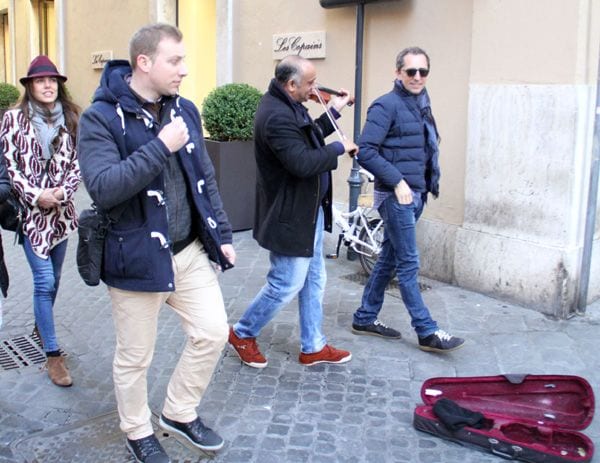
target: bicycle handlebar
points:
(367, 174)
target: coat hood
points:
(113, 86)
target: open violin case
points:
(533, 418)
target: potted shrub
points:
(228, 114)
(9, 94)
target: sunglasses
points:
(413, 72)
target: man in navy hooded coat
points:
(141, 149)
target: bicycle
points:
(361, 229)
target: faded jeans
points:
(46, 279)
(288, 277)
(399, 255)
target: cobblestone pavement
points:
(356, 412)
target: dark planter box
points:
(235, 170)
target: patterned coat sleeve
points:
(14, 144)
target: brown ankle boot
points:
(58, 372)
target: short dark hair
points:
(145, 41)
(410, 51)
(290, 68)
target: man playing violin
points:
(293, 208)
(399, 146)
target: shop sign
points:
(101, 57)
(306, 44)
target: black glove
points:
(455, 417)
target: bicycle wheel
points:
(366, 257)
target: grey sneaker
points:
(195, 431)
(147, 450)
(376, 329)
(440, 341)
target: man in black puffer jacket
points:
(399, 146)
(293, 206)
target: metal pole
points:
(354, 180)
(590, 222)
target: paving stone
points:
(326, 448)
(239, 456)
(244, 441)
(278, 429)
(301, 440)
(297, 456)
(273, 443)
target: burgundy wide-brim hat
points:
(41, 66)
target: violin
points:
(326, 94)
(322, 95)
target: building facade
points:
(513, 88)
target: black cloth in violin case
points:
(532, 418)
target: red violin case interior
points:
(532, 418)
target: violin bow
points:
(336, 127)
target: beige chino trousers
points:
(199, 303)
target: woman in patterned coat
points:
(38, 144)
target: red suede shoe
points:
(328, 354)
(247, 350)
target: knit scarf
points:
(47, 124)
(432, 140)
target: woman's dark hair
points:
(70, 109)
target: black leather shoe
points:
(195, 431)
(147, 450)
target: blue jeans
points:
(288, 277)
(46, 277)
(399, 254)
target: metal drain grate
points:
(21, 351)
